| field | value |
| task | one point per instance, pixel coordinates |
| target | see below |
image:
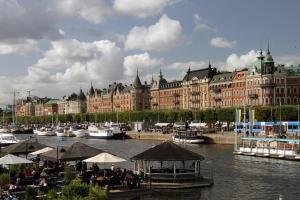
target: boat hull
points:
(80, 133)
(188, 140)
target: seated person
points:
(43, 182)
(43, 173)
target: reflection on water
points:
(236, 177)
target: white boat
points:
(44, 132)
(4, 130)
(7, 139)
(117, 131)
(79, 131)
(101, 133)
(64, 132)
(188, 137)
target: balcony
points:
(264, 85)
(194, 101)
(176, 102)
(155, 104)
(176, 95)
(195, 93)
(253, 96)
(217, 98)
(216, 90)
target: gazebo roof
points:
(76, 151)
(167, 151)
(24, 147)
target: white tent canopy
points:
(104, 158)
(10, 159)
(38, 152)
(162, 124)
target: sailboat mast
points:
(245, 126)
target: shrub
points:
(4, 180)
(97, 193)
(69, 175)
(75, 189)
(30, 193)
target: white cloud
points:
(23, 25)
(23, 46)
(220, 42)
(163, 35)
(235, 61)
(143, 62)
(142, 8)
(99, 60)
(288, 60)
(94, 11)
(201, 24)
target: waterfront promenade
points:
(210, 138)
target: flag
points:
(253, 117)
(239, 115)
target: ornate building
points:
(268, 84)
(221, 90)
(166, 95)
(195, 88)
(239, 88)
(119, 97)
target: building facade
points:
(166, 95)
(119, 97)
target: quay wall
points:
(210, 138)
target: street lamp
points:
(62, 150)
(26, 146)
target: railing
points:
(267, 85)
(253, 96)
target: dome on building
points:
(161, 80)
(269, 57)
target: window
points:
(282, 90)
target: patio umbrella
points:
(24, 147)
(10, 159)
(38, 152)
(74, 152)
(104, 158)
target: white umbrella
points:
(38, 152)
(10, 159)
(104, 158)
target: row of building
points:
(262, 83)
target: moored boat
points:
(7, 139)
(188, 136)
(100, 133)
(79, 131)
(44, 132)
(280, 148)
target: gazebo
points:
(168, 162)
(75, 152)
(24, 147)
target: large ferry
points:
(281, 148)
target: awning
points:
(10, 159)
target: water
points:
(236, 177)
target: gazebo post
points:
(149, 167)
(134, 163)
(174, 169)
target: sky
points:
(56, 47)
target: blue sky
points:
(57, 47)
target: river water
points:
(235, 176)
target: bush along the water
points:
(210, 115)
